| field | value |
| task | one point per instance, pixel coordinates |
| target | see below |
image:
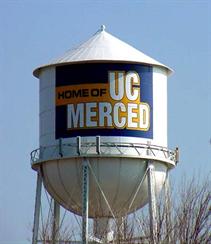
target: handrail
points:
(91, 148)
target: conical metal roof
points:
(103, 47)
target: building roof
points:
(103, 47)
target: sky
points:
(176, 33)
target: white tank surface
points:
(107, 102)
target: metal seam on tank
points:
(117, 191)
(46, 111)
(97, 198)
(124, 203)
(49, 133)
(95, 188)
(46, 87)
(99, 195)
(132, 194)
(62, 183)
(145, 180)
(100, 210)
(50, 186)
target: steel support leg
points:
(37, 208)
(56, 222)
(152, 203)
(85, 201)
(121, 228)
(168, 208)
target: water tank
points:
(107, 102)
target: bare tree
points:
(193, 213)
(190, 216)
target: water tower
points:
(103, 131)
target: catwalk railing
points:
(104, 149)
